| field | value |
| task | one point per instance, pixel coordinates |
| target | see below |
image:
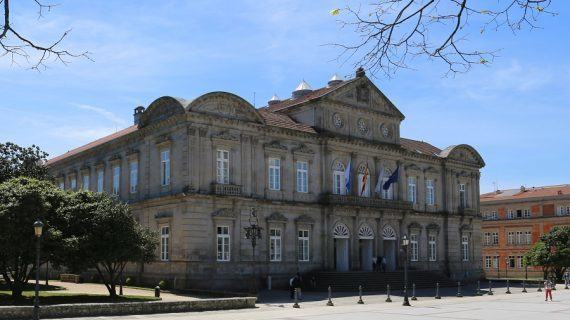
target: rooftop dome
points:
(336, 79)
(302, 89)
(275, 99)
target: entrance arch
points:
(366, 239)
(341, 235)
(389, 238)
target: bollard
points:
(508, 288)
(524, 287)
(539, 287)
(566, 284)
(330, 303)
(437, 296)
(268, 283)
(459, 294)
(360, 295)
(490, 288)
(157, 292)
(414, 292)
(478, 291)
(388, 293)
(296, 304)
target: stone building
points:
(513, 220)
(194, 169)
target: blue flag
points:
(347, 177)
(393, 178)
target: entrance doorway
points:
(341, 236)
(366, 240)
(389, 245)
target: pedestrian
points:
(383, 264)
(297, 283)
(547, 289)
(374, 263)
(292, 287)
(566, 279)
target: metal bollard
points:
(490, 288)
(437, 296)
(478, 292)
(360, 295)
(539, 287)
(508, 288)
(459, 294)
(330, 303)
(524, 287)
(388, 293)
(157, 292)
(566, 284)
(296, 304)
(414, 292)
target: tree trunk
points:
(16, 290)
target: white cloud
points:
(104, 113)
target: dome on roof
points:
(275, 99)
(302, 89)
(336, 79)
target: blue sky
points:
(516, 112)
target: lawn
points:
(58, 295)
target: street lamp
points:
(253, 233)
(405, 244)
(38, 228)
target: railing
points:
(466, 211)
(226, 189)
(365, 202)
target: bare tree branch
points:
(392, 33)
(17, 46)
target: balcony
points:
(226, 189)
(365, 202)
(466, 211)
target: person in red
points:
(548, 289)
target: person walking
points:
(298, 283)
(547, 289)
(292, 287)
(383, 264)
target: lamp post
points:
(405, 243)
(38, 228)
(253, 233)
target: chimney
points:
(523, 189)
(336, 79)
(360, 72)
(137, 115)
(274, 100)
(302, 89)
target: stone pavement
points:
(519, 306)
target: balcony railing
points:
(466, 211)
(226, 189)
(365, 202)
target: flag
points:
(364, 179)
(393, 178)
(378, 188)
(347, 177)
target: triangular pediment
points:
(362, 93)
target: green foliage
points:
(16, 161)
(552, 251)
(22, 202)
(163, 284)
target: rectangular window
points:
(302, 176)
(134, 176)
(100, 180)
(462, 196)
(223, 166)
(494, 215)
(303, 245)
(511, 262)
(73, 183)
(414, 255)
(563, 211)
(412, 189)
(510, 214)
(496, 262)
(223, 243)
(465, 248)
(495, 238)
(432, 244)
(387, 194)
(528, 237)
(339, 183)
(164, 243)
(274, 174)
(519, 214)
(519, 262)
(487, 239)
(364, 184)
(510, 238)
(488, 262)
(520, 237)
(85, 182)
(116, 179)
(430, 193)
(275, 245)
(165, 167)
(526, 213)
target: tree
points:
(102, 234)
(16, 45)
(394, 32)
(16, 161)
(22, 202)
(551, 252)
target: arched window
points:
(363, 180)
(387, 194)
(365, 232)
(338, 178)
(388, 233)
(340, 231)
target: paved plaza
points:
(517, 306)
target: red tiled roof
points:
(538, 192)
(93, 144)
(309, 96)
(419, 147)
(283, 121)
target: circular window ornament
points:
(337, 120)
(385, 130)
(362, 126)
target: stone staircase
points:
(377, 281)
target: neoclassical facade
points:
(193, 171)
